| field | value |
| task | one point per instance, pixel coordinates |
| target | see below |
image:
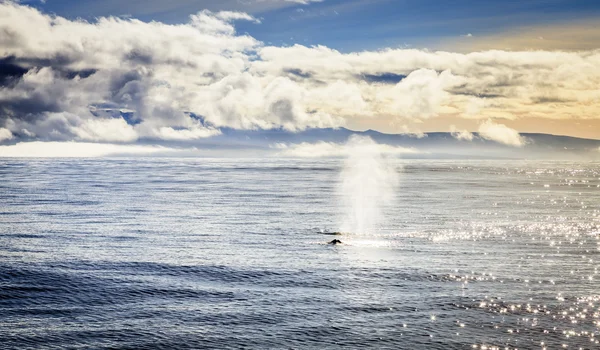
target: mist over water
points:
(368, 184)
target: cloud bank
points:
(39, 149)
(335, 150)
(123, 80)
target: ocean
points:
(197, 253)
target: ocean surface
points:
(231, 254)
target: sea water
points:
(229, 253)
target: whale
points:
(335, 241)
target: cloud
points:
(123, 80)
(219, 23)
(500, 133)
(406, 130)
(499, 84)
(5, 134)
(77, 150)
(230, 16)
(422, 93)
(160, 72)
(331, 149)
(462, 135)
(168, 133)
(100, 129)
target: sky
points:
(123, 72)
(356, 25)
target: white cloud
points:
(219, 23)
(422, 93)
(405, 130)
(230, 16)
(462, 135)
(501, 133)
(109, 130)
(77, 150)
(5, 134)
(342, 98)
(473, 107)
(168, 133)
(331, 149)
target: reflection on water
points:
(188, 253)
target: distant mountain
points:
(435, 144)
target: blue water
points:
(203, 253)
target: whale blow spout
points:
(367, 185)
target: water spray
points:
(368, 183)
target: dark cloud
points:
(284, 109)
(127, 88)
(12, 68)
(549, 99)
(28, 107)
(10, 72)
(140, 56)
(27, 99)
(467, 90)
(299, 73)
(58, 62)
